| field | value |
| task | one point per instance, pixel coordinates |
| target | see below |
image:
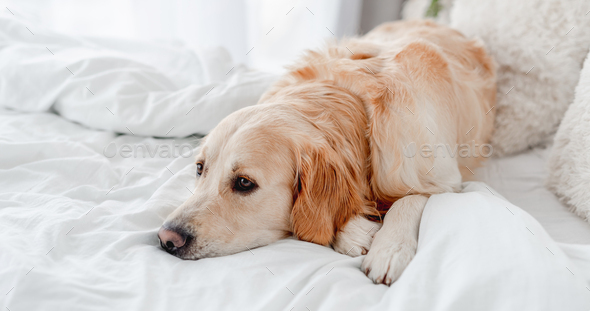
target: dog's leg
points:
(356, 236)
(395, 244)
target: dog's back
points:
(428, 93)
(473, 73)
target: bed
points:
(521, 180)
(79, 215)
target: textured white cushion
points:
(569, 164)
(539, 47)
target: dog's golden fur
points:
(371, 97)
(326, 143)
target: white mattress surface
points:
(78, 220)
(79, 233)
(520, 179)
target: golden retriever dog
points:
(324, 155)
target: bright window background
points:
(264, 34)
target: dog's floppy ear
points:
(326, 195)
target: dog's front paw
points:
(356, 237)
(385, 262)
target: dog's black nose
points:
(172, 240)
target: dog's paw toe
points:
(356, 237)
(385, 265)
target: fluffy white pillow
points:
(569, 164)
(539, 47)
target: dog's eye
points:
(244, 184)
(199, 169)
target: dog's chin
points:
(194, 252)
(186, 255)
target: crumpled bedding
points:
(521, 180)
(79, 232)
(79, 217)
(120, 85)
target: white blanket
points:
(79, 232)
(78, 220)
(123, 86)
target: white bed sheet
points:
(121, 85)
(79, 227)
(79, 232)
(520, 179)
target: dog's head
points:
(273, 170)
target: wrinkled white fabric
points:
(79, 231)
(146, 89)
(521, 179)
(80, 206)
